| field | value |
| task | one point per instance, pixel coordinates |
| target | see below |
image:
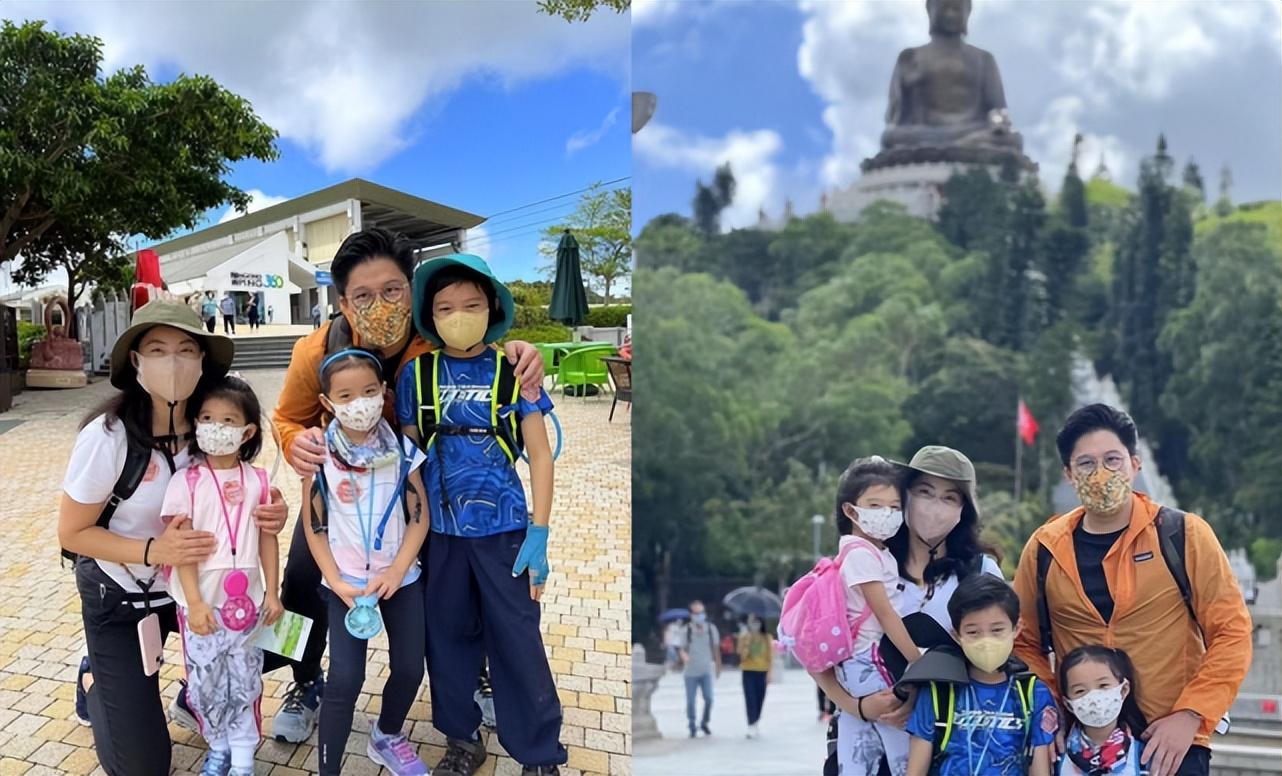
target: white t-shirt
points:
(243, 491)
(97, 459)
(865, 563)
(348, 511)
(935, 602)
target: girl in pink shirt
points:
(222, 599)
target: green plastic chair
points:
(548, 352)
(584, 367)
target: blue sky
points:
(481, 106)
(793, 95)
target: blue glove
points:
(533, 555)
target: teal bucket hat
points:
(423, 307)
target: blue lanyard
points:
(366, 521)
(973, 700)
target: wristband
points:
(147, 551)
(860, 708)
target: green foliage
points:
(89, 158)
(549, 332)
(1264, 557)
(28, 334)
(1102, 193)
(1268, 214)
(529, 294)
(581, 10)
(609, 317)
(602, 225)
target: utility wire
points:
(559, 196)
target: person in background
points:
(671, 639)
(701, 659)
(271, 313)
(228, 306)
(316, 316)
(209, 311)
(251, 312)
(756, 661)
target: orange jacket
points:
(1174, 670)
(299, 408)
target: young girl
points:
(368, 556)
(1104, 719)
(222, 599)
(869, 511)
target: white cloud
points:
(477, 240)
(581, 140)
(750, 154)
(654, 12)
(343, 79)
(257, 201)
(1050, 143)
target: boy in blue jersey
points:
(487, 556)
(1003, 721)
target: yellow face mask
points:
(988, 653)
(462, 330)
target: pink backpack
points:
(813, 623)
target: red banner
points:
(1026, 424)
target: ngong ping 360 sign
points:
(252, 281)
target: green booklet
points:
(287, 637)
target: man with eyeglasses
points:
(1107, 581)
(371, 272)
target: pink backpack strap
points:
(264, 487)
(192, 473)
(857, 542)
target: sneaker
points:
(706, 730)
(82, 699)
(217, 764)
(540, 770)
(694, 733)
(240, 772)
(394, 753)
(297, 716)
(486, 703)
(462, 758)
(181, 714)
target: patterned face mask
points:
(1099, 708)
(382, 323)
(1102, 492)
(361, 413)
(218, 438)
(879, 523)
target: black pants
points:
(754, 694)
(478, 610)
(130, 733)
(1196, 763)
(300, 593)
(229, 324)
(209, 323)
(253, 321)
(403, 621)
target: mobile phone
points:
(150, 644)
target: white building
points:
(275, 252)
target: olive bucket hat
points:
(175, 314)
(947, 463)
(423, 306)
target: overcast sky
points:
(480, 106)
(794, 94)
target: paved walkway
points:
(586, 608)
(792, 741)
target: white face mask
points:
(219, 439)
(361, 413)
(932, 520)
(879, 523)
(1099, 708)
(171, 378)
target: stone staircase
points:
(263, 352)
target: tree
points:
(85, 255)
(670, 240)
(1193, 180)
(602, 224)
(1224, 205)
(710, 201)
(95, 157)
(580, 10)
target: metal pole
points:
(817, 521)
(1019, 459)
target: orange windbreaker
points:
(1174, 671)
(299, 407)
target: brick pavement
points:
(586, 611)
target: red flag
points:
(1026, 424)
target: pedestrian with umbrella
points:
(756, 662)
(674, 619)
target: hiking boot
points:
(296, 719)
(462, 758)
(181, 714)
(395, 753)
(540, 770)
(82, 698)
(217, 764)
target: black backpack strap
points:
(137, 459)
(320, 502)
(943, 697)
(1025, 685)
(1043, 607)
(339, 336)
(507, 395)
(1170, 537)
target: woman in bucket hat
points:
(160, 365)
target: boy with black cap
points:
(488, 556)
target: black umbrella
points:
(674, 614)
(753, 600)
(569, 301)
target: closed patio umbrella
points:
(569, 300)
